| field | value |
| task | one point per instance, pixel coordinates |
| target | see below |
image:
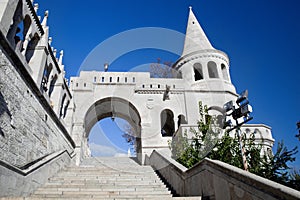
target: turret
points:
(201, 65)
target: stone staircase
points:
(106, 178)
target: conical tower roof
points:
(195, 38)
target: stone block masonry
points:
(28, 130)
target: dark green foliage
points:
(295, 179)
(188, 152)
(276, 167)
(227, 150)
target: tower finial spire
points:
(61, 54)
(44, 22)
(195, 38)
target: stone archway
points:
(113, 107)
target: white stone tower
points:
(201, 65)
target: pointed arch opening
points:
(167, 123)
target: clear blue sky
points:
(261, 37)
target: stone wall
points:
(29, 129)
(217, 180)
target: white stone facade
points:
(154, 105)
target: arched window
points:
(257, 133)
(31, 47)
(27, 37)
(15, 32)
(212, 69)
(52, 84)
(247, 131)
(65, 109)
(62, 106)
(224, 72)
(46, 75)
(27, 24)
(198, 73)
(167, 123)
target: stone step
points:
(74, 191)
(100, 195)
(102, 180)
(115, 197)
(110, 170)
(114, 185)
(105, 178)
(119, 198)
(107, 173)
(109, 181)
(107, 189)
(138, 176)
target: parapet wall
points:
(213, 179)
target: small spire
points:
(61, 54)
(54, 52)
(50, 40)
(195, 38)
(36, 7)
(44, 22)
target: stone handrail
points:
(217, 180)
(20, 182)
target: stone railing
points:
(17, 182)
(213, 179)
